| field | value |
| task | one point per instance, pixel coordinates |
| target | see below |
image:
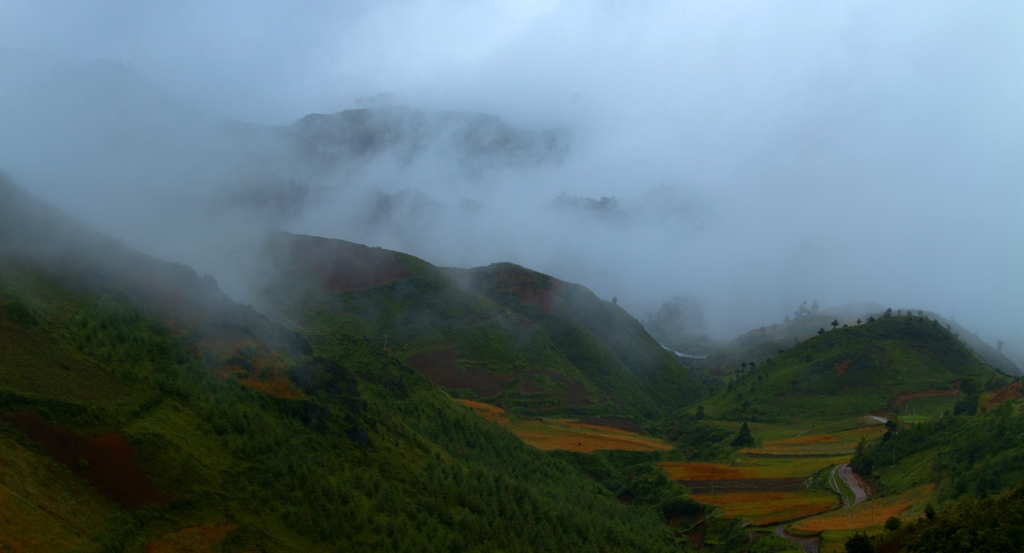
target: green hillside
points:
(141, 408)
(974, 462)
(505, 334)
(761, 343)
(851, 371)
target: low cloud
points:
(750, 155)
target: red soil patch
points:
(439, 367)
(344, 266)
(531, 288)
(108, 465)
(841, 367)
(1000, 396)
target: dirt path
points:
(855, 483)
(807, 545)
(844, 471)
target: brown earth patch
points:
(344, 266)
(232, 352)
(841, 367)
(439, 367)
(486, 410)
(1000, 396)
(197, 539)
(614, 422)
(531, 288)
(746, 485)
(105, 462)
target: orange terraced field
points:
(547, 436)
(793, 467)
(567, 435)
(770, 507)
(597, 427)
(869, 513)
(486, 410)
(709, 471)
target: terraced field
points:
(768, 483)
(567, 434)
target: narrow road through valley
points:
(807, 545)
(844, 471)
(855, 483)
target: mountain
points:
(502, 333)
(108, 110)
(764, 342)
(854, 371)
(474, 140)
(141, 408)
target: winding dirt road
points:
(844, 471)
(807, 545)
(856, 484)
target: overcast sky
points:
(837, 151)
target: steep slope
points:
(852, 371)
(502, 333)
(141, 408)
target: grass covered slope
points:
(502, 333)
(851, 371)
(139, 407)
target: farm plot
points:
(762, 508)
(865, 515)
(766, 484)
(567, 434)
(751, 468)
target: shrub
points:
(893, 523)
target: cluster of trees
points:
(976, 456)
(803, 311)
(389, 463)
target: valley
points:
(373, 401)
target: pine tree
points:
(744, 438)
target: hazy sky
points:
(770, 152)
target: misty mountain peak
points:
(474, 139)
